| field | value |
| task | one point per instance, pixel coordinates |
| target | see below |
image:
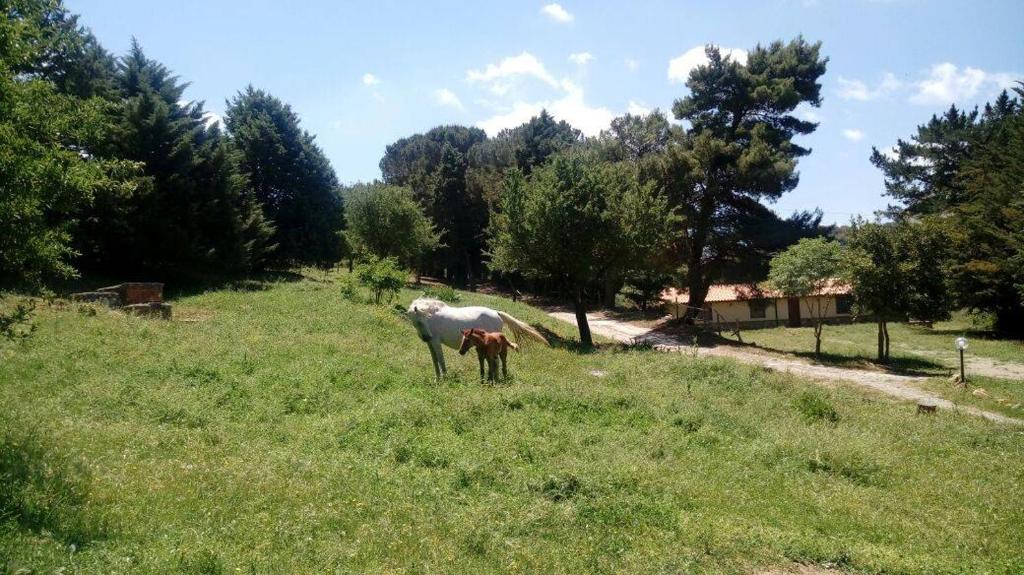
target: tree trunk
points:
(817, 338)
(698, 292)
(581, 319)
(881, 340)
(885, 330)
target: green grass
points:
(911, 347)
(288, 430)
(1005, 396)
(915, 350)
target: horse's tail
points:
(521, 329)
(512, 344)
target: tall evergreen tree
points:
(191, 213)
(738, 150)
(922, 173)
(290, 176)
(963, 172)
(988, 268)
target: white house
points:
(753, 306)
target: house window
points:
(757, 308)
(844, 304)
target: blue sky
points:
(362, 75)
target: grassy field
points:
(280, 428)
(914, 348)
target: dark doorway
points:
(794, 312)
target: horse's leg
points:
(433, 360)
(440, 355)
(492, 369)
(504, 363)
(480, 358)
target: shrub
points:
(350, 289)
(17, 323)
(383, 276)
(443, 293)
(816, 408)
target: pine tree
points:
(191, 213)
(290, 176)
(738, 149)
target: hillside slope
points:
(285, 429)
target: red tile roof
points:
(743, 292)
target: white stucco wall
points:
(733, 311)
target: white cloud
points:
(941, 85)
(638, 108)
(946, 84)
(631, 64)
(680, 66)
(571, 107)
(581, 58)
(556, 13)
(370, 80)
(501, 74)
(853, 134)
(521, 112)
(446, 97)
(858, 90)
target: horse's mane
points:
(426, 305)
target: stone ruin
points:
(144, 299)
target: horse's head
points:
(467, 341)
(419, 310)
(470, 337)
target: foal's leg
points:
(480, 358)
(492, 368)
(504, 363)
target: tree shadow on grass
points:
(182, 286)
(559, 342)
(44, 491)
(900, 365)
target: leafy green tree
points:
(532, 143)
(192, 214)
(383, 276)
(896, 272)
(386, 222)
(50, 165)
(738, 149)
(574, 218)
(802, 271)
(633, 137)
(435, 167)
(290, 177)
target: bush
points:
(383, 276)
(816, 408)
(17, 323)
(443, 293)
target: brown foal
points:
(489, 346)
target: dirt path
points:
(901, 387)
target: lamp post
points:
(961, 345)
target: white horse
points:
(439, 323)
